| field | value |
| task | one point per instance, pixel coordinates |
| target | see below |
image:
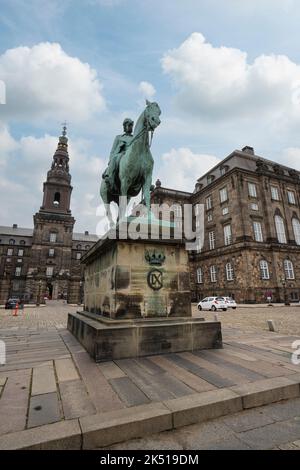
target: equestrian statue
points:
(130, 163)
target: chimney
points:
(86, 232)
(15, 225)
(248, 149)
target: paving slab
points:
(14, 402)
(75, 399)
(249, 419)
(100, 391)
(65, 370)
(43, 380)
(110, 370)
(267, 391)
(203, 406)
(129, 393)
(109, 428)
(43, 409)
(65, 435)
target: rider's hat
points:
(127, 120)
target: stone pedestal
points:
(107, 340)
(137, 301)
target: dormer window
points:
(210, 179)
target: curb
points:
(104, 429)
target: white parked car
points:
(231, 303)
(212, 303)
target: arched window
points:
(199, 276)
(280, 229)
(78, 247)
(296, 229)
(264, 269)
(56, 200)
(12, 241)
(288, 269)
(22, 242)
(229, 272)
(87, 247)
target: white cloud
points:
(189, 167)
(291, 157)
(219, 82)
(44, 82)
(147, 90)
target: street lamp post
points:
(38, 300)
(283, 281)
(80, 293)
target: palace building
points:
(251, 246)
(252, 229)
(45, 260)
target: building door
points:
(49, 290)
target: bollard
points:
(271, 325)
(216, 317)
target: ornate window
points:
(274, 193)
(229, 272)
(296, 229)
(225, 211)
(252, 190)
(18, 271)
(254, 206)
(199, 276)
(78, 247)
(288, 269)
(211, 238)
(213, 273)
(291, 197)
(258, 236)
(208, 201)
(227, 234)
(49, 271)
(12, 241)
(223, 195)
(280, 229)
(53, 237)
(22, 242)
(264, 269)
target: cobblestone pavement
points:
(53, 315)
(49, 377)
(247, 319)
(286, 319)
(275, 426)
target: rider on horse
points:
(118, 150)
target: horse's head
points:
(152, 113)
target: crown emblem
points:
(154, 257)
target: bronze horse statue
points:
(135, 168)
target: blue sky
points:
(226, 73)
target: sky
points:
(226, 73)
